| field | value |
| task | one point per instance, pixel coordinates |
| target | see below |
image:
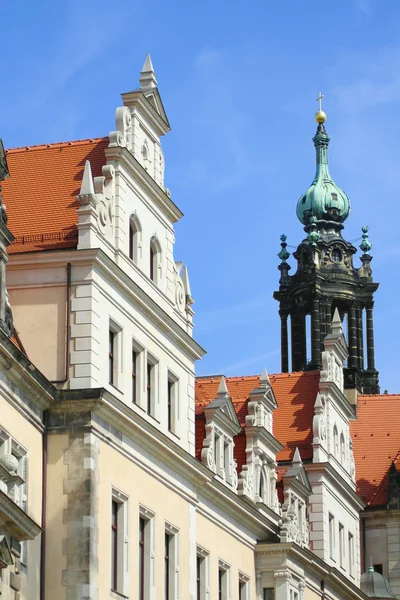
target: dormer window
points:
(336, 255)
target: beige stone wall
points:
(40, 318)
(56, 530)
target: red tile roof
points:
(375, 433)
(295, 394)
(40, 193)
(376, 444)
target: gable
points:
(154, 98)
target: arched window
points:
(155, 260)
(342, 450)
(335, 442)
(263, 485)
(135, 231)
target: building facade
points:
(121, 476)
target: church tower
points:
(326, 279)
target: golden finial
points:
(320, 116)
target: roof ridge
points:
(55, 144)
(258, 375)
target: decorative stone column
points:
(316, 333)
(298, 341)
(353, 346)
(370, 335)
(283, 313)
(360, 337)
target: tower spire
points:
(147, 77)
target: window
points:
(351, 554)
(114, 353)
(155, 260)
(111, 356)
(171, 566)
(268, 594)
(119, 543)
(341, 545)
(342, 451)
(244, 588)
(146, 554)
(223, 580)
(335, 442)
(151, 383)
(264, 484)
(217, 452)
(142, 556)
(114, 545)
(135, 231)
(331, 536)
(336, 255)
(378, 569)
(172, 403)
(202, 575)
(134, 376)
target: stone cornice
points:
(126, 158)
(315, 566)
(326, 469)
(77, 409)
(15, 522)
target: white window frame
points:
(157, 259)
(226, 579)
(245, 591)
(174, 380)
(205, 572)
(154, 388)
(149, 557)
(140, 378)
(117, 330)
(341, 546)
(122, 541)
(174, 560)
(351, 553)
(137, 239)
(331, 525)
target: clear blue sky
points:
(239, 82)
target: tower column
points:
(298, 341)
(360, 337)
(322, 318)
(283, 313)
(316, 333)
(353, 346)
(370, 336)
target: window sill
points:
(175, 435)
(120, 392)
(118, 596)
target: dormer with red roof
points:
(257, 479)
(221, 427)
(296, 494)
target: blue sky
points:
(239, 83)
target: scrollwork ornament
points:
(180, 295)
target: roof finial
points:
(371, 566)
(320, 116)
(365, 245)
(147, 77)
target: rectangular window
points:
(331, 536)
(146, 554)
(202, 574)
(223, 580)
(171, 562)
(351, 554)
(142, 557)
(217, 441)
(341, 545)
(114, 545)
(119, 543)
(244, 587)
(150, 388)
(268, 594)
(378, 569)
(172, 402)
(111, 356)
(134, 376)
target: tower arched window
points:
(342, 450)
(155, 260)
(135, 232)
(263, 489)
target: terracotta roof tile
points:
(295, 394)
(40, 193)
(376, 444)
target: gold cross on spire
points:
(319, 99)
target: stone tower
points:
(326, 279)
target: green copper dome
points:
(323, 200)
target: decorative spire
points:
(222, 389)
(284, 255)
(337, 328)
(147, 77)
(87, 180)
(365, 245)
(323, 199)
(264, 379)
(313, 235)
(296, 460)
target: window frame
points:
(172, 402)
(244, 586)
(155, 255)
(223, 580)
(120, 550)
(152, 365)
(331, 526)
(202, 584)
(147, 543)
(172, 577)
(135, 239)
(115, 359)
